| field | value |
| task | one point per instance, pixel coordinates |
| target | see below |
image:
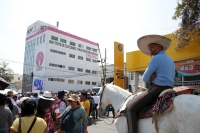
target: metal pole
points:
(125, 77)
(105, 68)
(101, 64)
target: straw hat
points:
(144, 41)
(47, 96)
(73, 97)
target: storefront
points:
(187, 61)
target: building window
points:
(18, 78)
(87, 71)
(94, 83)
(37, 40)
(80, 46)
(63, 40)
(80, 57)
(88, 59)
(79, 82)
(56, 65)
(80, 69)
(58, 52)
(44, 38)
(132, 77)
(40, 39)
(93, 60)
(54, 38)
(88, 48)
(94, 72)
(72, 43)
(87, 82)
(70, 81)
(56, 79)
(71, 68)
(95, 50)
(72, 55)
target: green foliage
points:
(5, 72)
(189, 12)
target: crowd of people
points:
(38, 113)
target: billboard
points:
(119, 64)
(188, 68)
(38, 84)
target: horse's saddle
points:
(162, 104)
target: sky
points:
(101, 21)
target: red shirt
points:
(47, 115)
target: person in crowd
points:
(78, 114)
(67, 95)
(35, 97)
(5, 115)
(19, 96)
(90, 99)
(29, 108)
(28, 94)
(160, 72)
(47, 104)
(13, 108)
(96, 101)
(15, 98)
(63, 102)
(10, 95)
(108, 109)
(86, 105)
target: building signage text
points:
(72, 47)
(92, 56)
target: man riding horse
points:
(160, 72)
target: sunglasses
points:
(70, 101)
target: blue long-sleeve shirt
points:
(164, 68)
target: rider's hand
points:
(153, 76)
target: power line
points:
(135, 32)
(11, 37)
(12, 30)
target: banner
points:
(38, 84)
(119, 64)
(188, 68)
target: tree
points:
(5, 72)
(189, 13)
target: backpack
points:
(67, 122)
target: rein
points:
(100, 108)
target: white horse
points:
(184, 117)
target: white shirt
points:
(62, 107)
(96, 99)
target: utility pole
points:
(105, 68)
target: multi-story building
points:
(56, 60)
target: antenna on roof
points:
(57, 24)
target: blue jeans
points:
(51, 131)
(82, 128)
(6, 131)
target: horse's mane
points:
(118, 89)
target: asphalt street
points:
(100, 126)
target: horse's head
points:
(104, 102)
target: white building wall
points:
(44, 71)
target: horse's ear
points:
(142, 88)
